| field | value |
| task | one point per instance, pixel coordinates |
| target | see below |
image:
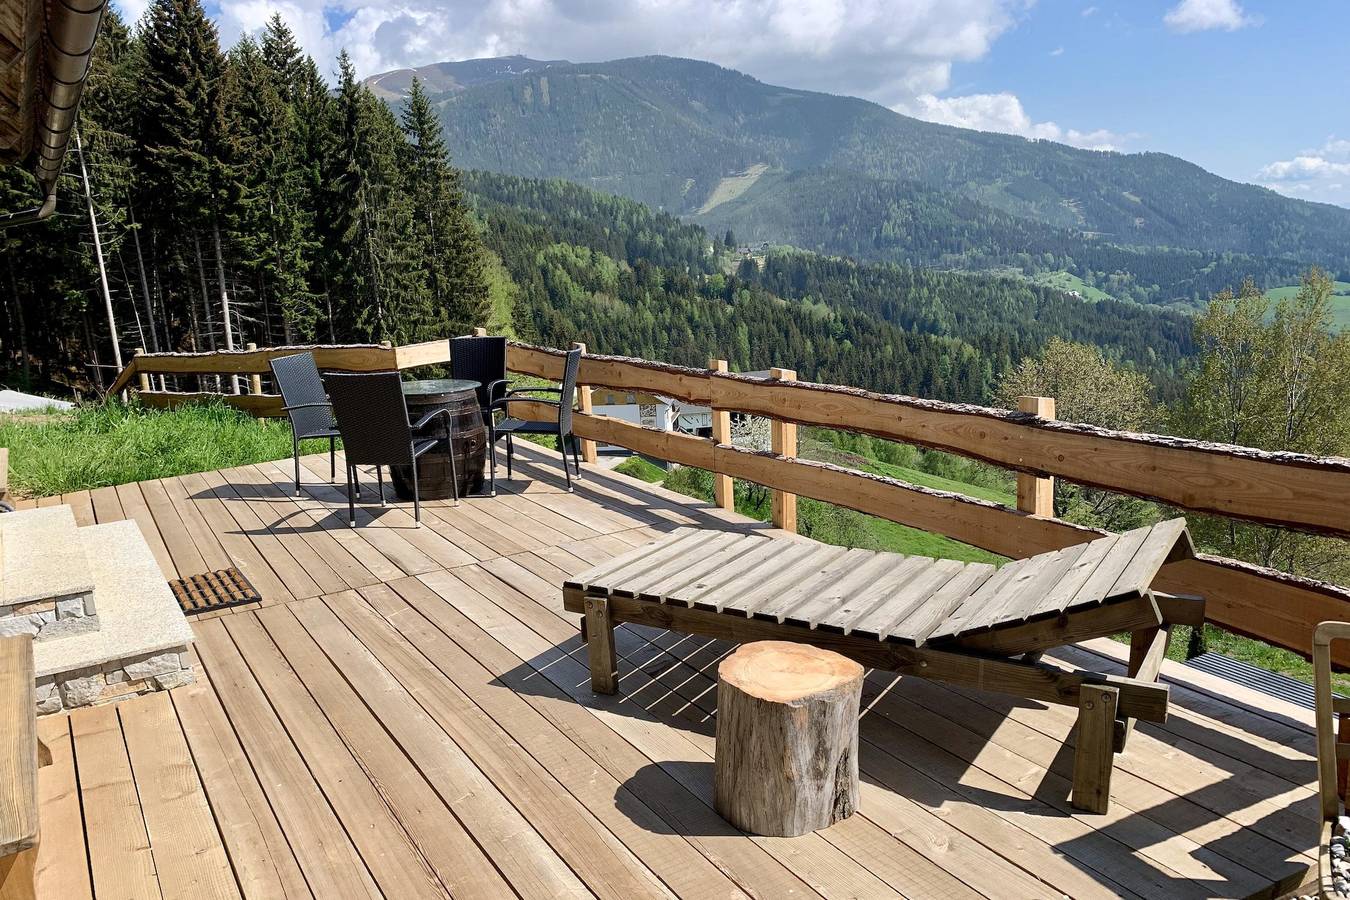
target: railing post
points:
(1036, 495)
(784, 443)
(584, 407)
(254, 380)
(724, 489)
(142, 379)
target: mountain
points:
(722, 148)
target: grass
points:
(639, 468)
(1067, 281)
(938, 483)
(1340, 301)
(114, 443)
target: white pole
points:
(98, 254)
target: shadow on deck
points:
(407, 713)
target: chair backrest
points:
(372, 415)
(569, 389)
(298, 380)
(480, 359)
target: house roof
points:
(45, 46)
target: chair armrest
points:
(530, 390)
(503, 403)
(422, 422)
(494, 388)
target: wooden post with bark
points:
(784, 443)
(1036, 495)
(724, 489)
(787, 738)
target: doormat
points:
(213, 590)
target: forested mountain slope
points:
(626, 279)
(667, 131)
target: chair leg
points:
(492, 462)
(510, 451)
(567, 470)
(379, 478)
(295, 453)
(332, 460)
(576, 454)
(417, 497)
(599, 627)
(454, 471)
(1094, 747)
(351, 501)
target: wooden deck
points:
(408, 713)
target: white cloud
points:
(1206, 15)
(1003, 112)
(1089, 11)
(1058, 51)
(885, 50)
(1315, 174)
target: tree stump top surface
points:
(783, 672)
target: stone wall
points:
(48, 619)
(115, 680)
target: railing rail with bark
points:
(1293, 490)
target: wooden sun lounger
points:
(964, 623)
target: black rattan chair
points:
(372, 416)
(306, 406)
(481, 359)
(562, 428)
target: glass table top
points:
(429, 386)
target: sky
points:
(1254, 90)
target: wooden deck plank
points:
(600, 860)
(187, 559)
(107, 506)
(81, 506)
(382, 567)
(322, 847)
(63, 861)
(259, 853)
(270, 548)
(119, 849)
(242, 553)
(424, 835)
(189, 857)
(203, 537)
(672, 857)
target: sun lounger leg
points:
(1148, 647)
(1094, 751)
(599, 630)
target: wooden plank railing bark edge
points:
(1291, 489)
(345, 357)
(621, 372)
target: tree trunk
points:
(145, 284)
(787, 738)
(224, 299)
(24, 361)
(98, 256)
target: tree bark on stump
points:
(787, 738)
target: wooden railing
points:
(1293, 490)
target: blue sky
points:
(1254, 90)
(1234, 101)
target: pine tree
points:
(446, 233)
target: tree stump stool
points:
(787, 738)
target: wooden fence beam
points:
(1036, 494)
(1309, 493)
(724, 489)
(584, 405)
(783, 437)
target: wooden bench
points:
(964, 623)
(20, 756)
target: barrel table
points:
(467, 439)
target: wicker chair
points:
(372, 416)
(562, 428)
(481, 359)
(306, 406)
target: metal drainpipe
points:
(71, 29)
